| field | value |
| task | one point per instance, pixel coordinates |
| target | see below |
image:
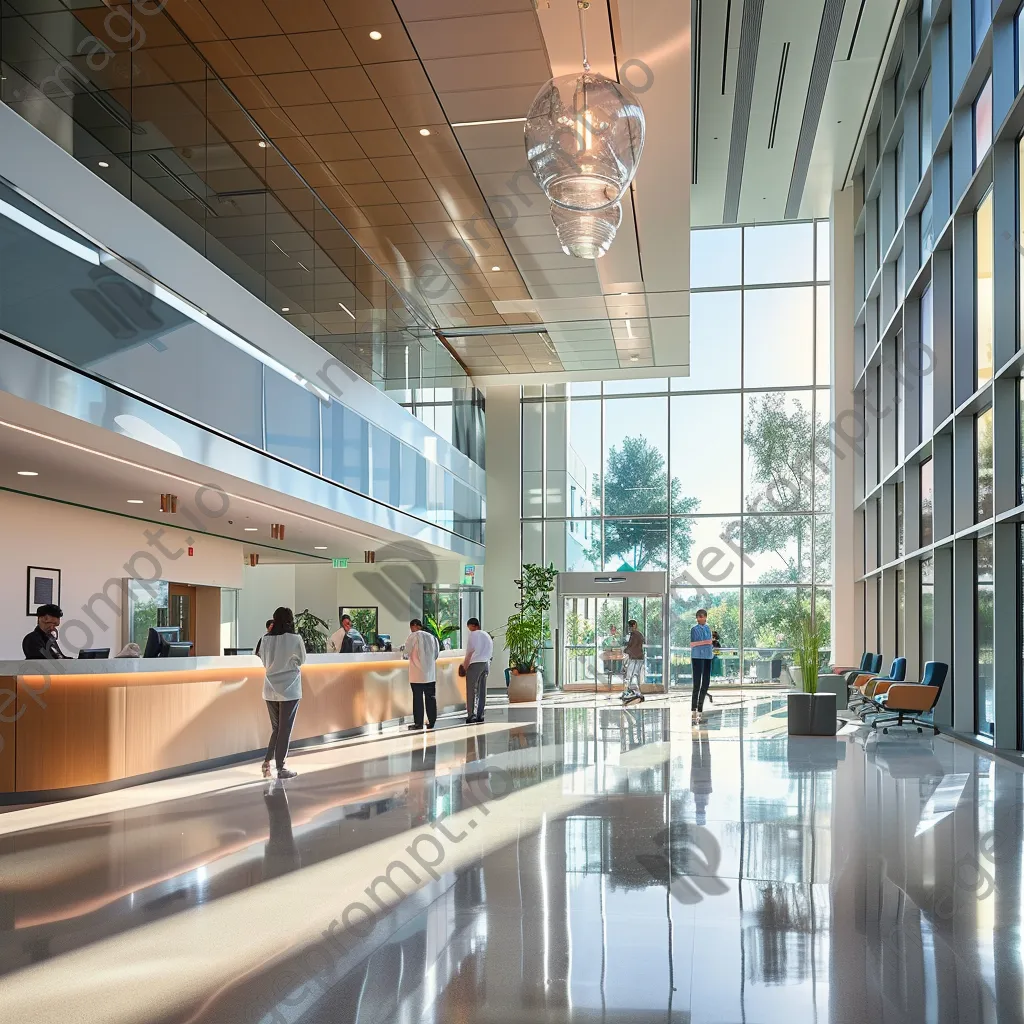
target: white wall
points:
(395, 588)
(264, 588)
(95, 552)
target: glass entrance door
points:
(594, 631)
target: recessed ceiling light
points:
(495, 268)
(103, 163)
(262, 144)
(135, 501)
(623, 294)
(251, 529)
(634, 359)
(375, 35)
(27, 472)
(320, 547)
(286, 309)
(424, 131)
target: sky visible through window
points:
(656, 473)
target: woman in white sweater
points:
(282, 652)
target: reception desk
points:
(72, 726)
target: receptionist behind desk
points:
(42, 641)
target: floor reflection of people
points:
(424, 758)
(280, 855)
(700, 773)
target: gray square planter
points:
(812, 714)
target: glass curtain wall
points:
(953, 475)
(721, 478)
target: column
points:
(503, 559)
(844, 562)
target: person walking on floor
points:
(701, 654)
(421, 650)
(634, 670)
(283, 654)
(476, 664)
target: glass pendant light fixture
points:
(587, 236)
(584, 137)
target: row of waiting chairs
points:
(892, 698)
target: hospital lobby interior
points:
(584, 438)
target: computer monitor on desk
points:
(165, 642)
(99, 653)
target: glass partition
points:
(255, 171)
(64, 295)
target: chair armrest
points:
(882, 686)
(912, 697)
(861, 681)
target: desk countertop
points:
(229, 664)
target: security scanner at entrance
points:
(593, 610)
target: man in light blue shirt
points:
(701, 654)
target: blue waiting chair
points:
(868, 686)
(912, 700)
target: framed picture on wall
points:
(364, 618)
(43, 588)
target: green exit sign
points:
(340, 563)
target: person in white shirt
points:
(421, 650)
(283, 654)
(347, 640)
(476, 664)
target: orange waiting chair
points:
(867, 687)
(857, 680)
(912, 700)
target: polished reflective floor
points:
(572, 863)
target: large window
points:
(983, 122)
(984, 638)
(924, 124)
(927, 504)
(723, 477)
(983, 465)
(983, 294)
(926, 366)
(927, 651)
(982, 20)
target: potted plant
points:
(313, 631)
(526, 630)
(810, 713)
(441, 629)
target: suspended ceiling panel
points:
(781, 87)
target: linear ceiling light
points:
(83, 252)
(498, 120)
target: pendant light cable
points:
(583, 6)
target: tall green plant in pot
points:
(810, 713)
(527, 627)
(808, 653)
(313, 630)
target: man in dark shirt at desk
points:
(42, 641)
